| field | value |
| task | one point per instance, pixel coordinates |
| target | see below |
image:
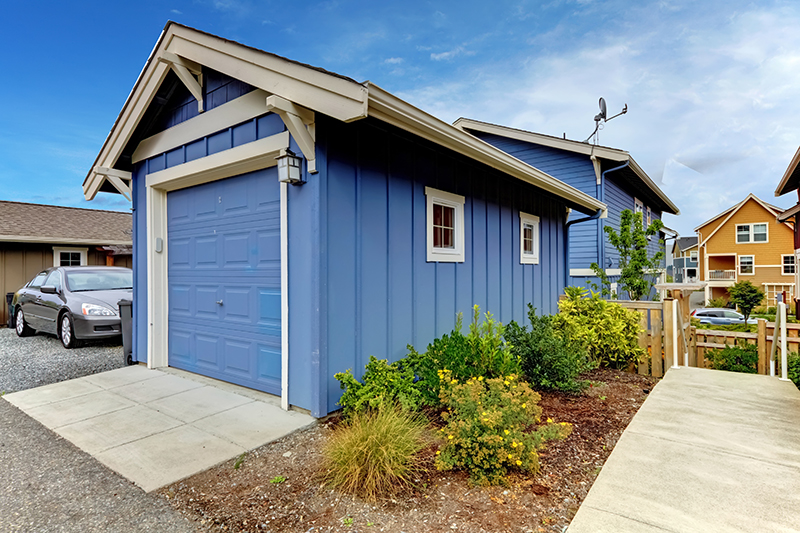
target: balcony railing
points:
(724, 275)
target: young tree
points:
(637, 268)
(745, 296)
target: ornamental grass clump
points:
(487, 431)
(376, 453)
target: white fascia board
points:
(245, 158)
(779, 190)
(242, 109)
(652, 186)
(392, 110)
(569, 145)
(336, 97)
(62, 240)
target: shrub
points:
(376, 454)
(549, 360)
(793, 368)
(383, 384)
(741, 358)
(719, 301)
(482, 352)
(486, 423)
(608, 330)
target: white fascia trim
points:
(439, 255)
(779, 190)
(61, 240)
(639, 171)
(57, 254)
(533, 220)
(245, 158)
(242, 109)
(732, 211)
(388, 108)
(157, 280)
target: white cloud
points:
(393, 60)
(176, 12)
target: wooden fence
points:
(662, 322)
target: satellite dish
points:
(602, 115)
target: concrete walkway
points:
(157, 427)
(707, 451)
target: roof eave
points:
(672, 208)
(783, 186)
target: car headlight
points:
(96, 310)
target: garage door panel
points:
(224, 245)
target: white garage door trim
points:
(252, 156)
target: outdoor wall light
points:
(289, 170)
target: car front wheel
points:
(67, 332)
(22, 329)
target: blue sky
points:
(711, 86)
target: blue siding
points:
(618, 198)
(382, 293)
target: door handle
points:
(219, 302)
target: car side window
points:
(732, 314)
(701, 314)
(38, 280)
(54, 280)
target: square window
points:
(528, 239)
(788, 264)
(746, 264)
(759, 233)
(445, 226)
(743, 233)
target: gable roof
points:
(791, 178)
(728, 214)
(684, 243)
(337, 96)
(22, 222)
(569, 145)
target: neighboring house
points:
(34, 237)
(608, 174)
(402, 221)
(746, 242)
(684, 260)
(791, 182)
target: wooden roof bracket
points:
(120, 179)
(300, 123)
(186, 71)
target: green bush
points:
(482, 352)
(793, 368)
(719, 301)
(550, 359)
(383, 384)
(486, 423)
(376, 454)
(741, 358)
(608, 330)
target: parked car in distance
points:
(721, 316)
(73, 303)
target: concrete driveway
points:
(156, 427)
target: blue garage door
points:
(224, 280)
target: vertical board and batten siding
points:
(617, 198)
(571, 168)
(382, 294)
(236, 135)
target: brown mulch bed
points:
(251, 497)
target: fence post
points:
(643, 363)
(698, 362)
(762, 346)
(669, 333)
(784, 364)
(656, 357)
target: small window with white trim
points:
(747, 265)
(528, 239)
(638, 206)
(788, 265)
(649, 217)
(69, 256)
(693, 256)
(445, 226)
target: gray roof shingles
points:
(50, 223)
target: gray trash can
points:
(126, 316)
(9, 297)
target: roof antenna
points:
(600, 119)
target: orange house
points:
(746, 242)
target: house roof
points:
(791, 178)
(319, 90)
(684, 243)
(22, 222)
(728, 213)
(604, 152)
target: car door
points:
(734, 318)
(49, 305)
(29, 301)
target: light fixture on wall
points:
(289, 169)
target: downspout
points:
(596, 216)
(601, 195)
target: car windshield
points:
(98, 280)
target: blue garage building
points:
(290, 222)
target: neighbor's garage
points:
(224, 280)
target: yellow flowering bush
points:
(486, 431)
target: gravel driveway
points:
(49, 485)
(28, 362)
